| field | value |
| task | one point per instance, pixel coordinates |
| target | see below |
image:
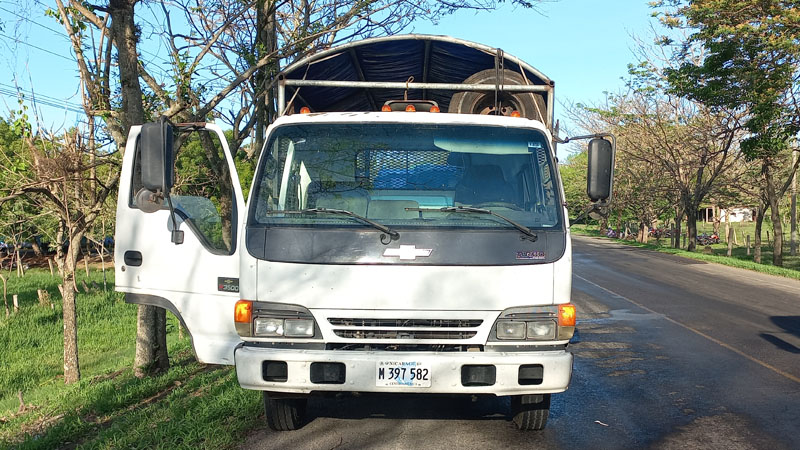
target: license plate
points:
(403, 374)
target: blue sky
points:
(584, 45)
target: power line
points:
(29, 20)
(40, 98)
(44, 101)
(36, 47)
(59, 33)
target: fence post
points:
(16, 302)
(44, 298)
(5, 297)
(748, 245)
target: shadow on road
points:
(387, 406)
(791, 325)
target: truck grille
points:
(356, 328)
(406, 323)
(389, 334)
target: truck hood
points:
(376, 287)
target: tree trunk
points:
(37, 249)
(20, 272)
(149, 331)
(677, 231)
(691, 231)
(793, 210)
(716, 219)
(775, 215)
(123, 33)
(72, 372)
(690, 206)
(162, 356)
(643, 232)
(266, 43)
(146, 339)
(757, 242)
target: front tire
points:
(285, 414)
(530, 412)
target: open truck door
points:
(179, 210)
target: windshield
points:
(406, 176)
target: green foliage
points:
(190, 406)
(752, 54)
(573, 177)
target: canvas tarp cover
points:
(428, 59)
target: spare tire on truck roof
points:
(529, 104)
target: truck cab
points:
(405, 250)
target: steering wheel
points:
(499, 204)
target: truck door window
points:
(203, 192)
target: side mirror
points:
(156, 156)
(600, 170)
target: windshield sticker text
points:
(536, 254)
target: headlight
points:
(274, 320)
(299, 328)
(507, 329)
(535, 323)
(542, 330)
(268, 327)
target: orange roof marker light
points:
(410, 108)
(386, 108)
(515, 113)
(305, 110)
(435, 109)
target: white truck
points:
(386, 246)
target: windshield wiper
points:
(468, 209)
(392, 233)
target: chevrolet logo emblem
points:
(408, 252)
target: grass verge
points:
(738, 258)
(192, 405)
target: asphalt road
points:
(670, 354)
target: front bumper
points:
(445, 367)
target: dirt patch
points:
(604, 329)
(602, 345)
(616, 362)
(603, 354)
(622, 373)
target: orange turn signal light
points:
(566, 315)
(410, 108)
(243, 311)
(515, 113)
(386, 108)
(305, 110)
(435, 109)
